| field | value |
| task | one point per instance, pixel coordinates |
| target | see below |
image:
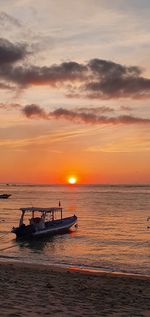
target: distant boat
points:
(44, 225)
(4, 196)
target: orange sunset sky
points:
(75, 91)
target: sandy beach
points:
(33, 290)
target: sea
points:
(113, 234)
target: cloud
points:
(10, 53)
(32, 111)
(127, 143)
(112, 80)
(78, 116)
(97, 79)
(5, 86)
(54, 75)
(125, 108)
(96, 110)
(8, 20)
(9, 106)
(40, 141)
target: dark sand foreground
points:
(31, 291)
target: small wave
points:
(2, 256)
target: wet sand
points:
(33, 290)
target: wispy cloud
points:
(128, 145)
(11, 106)
(40, 141)
(7, 20)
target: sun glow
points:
(72, 180)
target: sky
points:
(75, 91)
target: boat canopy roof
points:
(47, 210)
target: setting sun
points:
(72, 180)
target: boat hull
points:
(51, 228)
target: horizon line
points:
(72, 185)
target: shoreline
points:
(33, 290)
(61, 268)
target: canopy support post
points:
(21, 219)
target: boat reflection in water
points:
(4, 196)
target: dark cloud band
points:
(78, 116)
(97, 79)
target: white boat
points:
(43, 222)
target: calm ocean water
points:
(112, 233)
